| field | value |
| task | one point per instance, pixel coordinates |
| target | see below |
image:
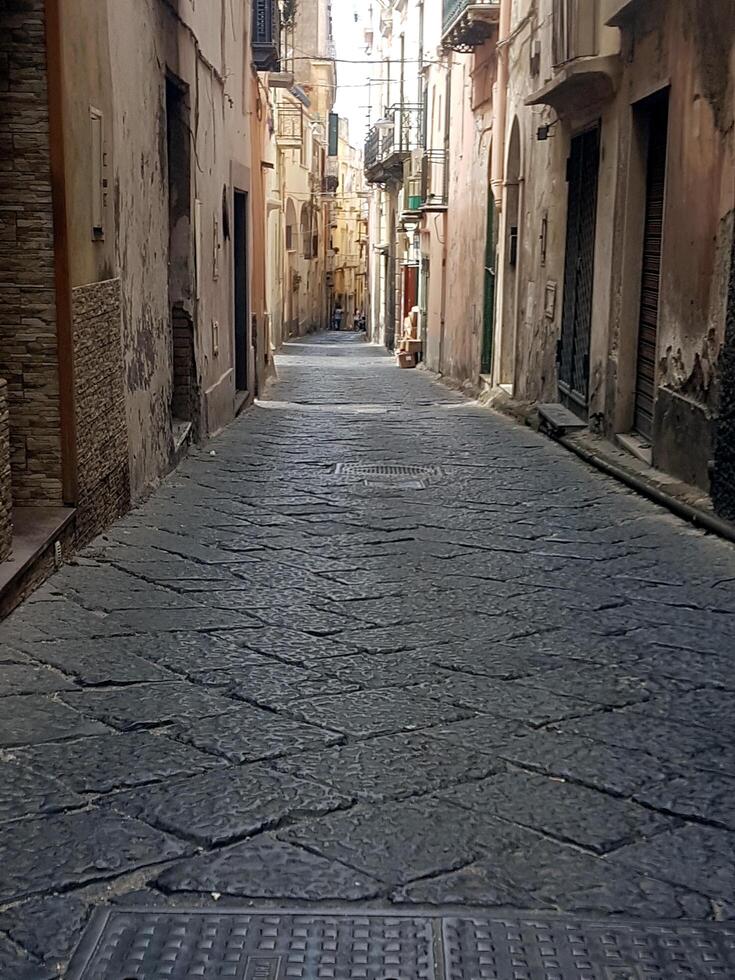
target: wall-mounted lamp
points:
(544, 132)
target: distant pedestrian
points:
(337, 318)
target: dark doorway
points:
(488, 318)
(180, 261)
(656, 121)
(410, 288)
(574, 347)
(242, 346)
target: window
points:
(574, 30)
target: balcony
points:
(469, 23)
(266, 38)
(289, 127)
(390, 143)
(583, 77)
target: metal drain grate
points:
(392, 476)
(153, 944)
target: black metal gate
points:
(574, 344)
(645, 382)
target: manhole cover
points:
(402, 477)
(150, 944)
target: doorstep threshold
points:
(35, 529)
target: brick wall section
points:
(102, 437)
(28, 351)
(6, 526)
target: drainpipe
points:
(64, 330)
(497, 171)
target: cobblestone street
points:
(297, 673)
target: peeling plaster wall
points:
(206, 49)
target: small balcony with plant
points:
(467, 24)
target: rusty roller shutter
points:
(645, 388)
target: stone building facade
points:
(297, 195)
(132, 311)
(580, 250)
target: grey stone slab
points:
(701, 795)
(395, 843)
(28, 793)
(268, 868)
(16, 966)
(49, 928)
(576, 814)
(672, 742)
(303, 617)
(381, 669)
(71, 849)
(390, 767)
(293, 646)
(482, 733)
(712, 710)
(246, 733)
(523, 869)
(605, 767)
(104, 763)
(11, 654)
(365, 713)
(30, 719)
(22, 679)
(98, 662)
(600, 685)
(698, 858)
(493, 660)
(148, 705)
(276, 685)
(201, 618)
(506, 699)
(222, 806)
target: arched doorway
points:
(511, 252)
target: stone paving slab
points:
(33, 719)
(246, 733)
(148, 705)
(222, 806)
(103, 763)
(560, 809)
(303, 679)
(71, 849)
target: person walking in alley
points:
(337, 317)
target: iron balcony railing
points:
(435, 180)
(392, 140)
(266, 35)
(467, 24)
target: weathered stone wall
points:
(723, 482)
(28, 349)
(102, 437)
(6, 497)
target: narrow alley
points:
(374, 646)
